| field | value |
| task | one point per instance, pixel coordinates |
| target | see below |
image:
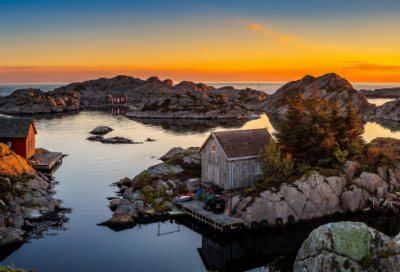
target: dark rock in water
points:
(150, 140)
(119, 221)
(173, 152)
(125, 182)
(101, 130)
(114, 140)
(348, 246)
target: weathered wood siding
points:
(215, 165)
(219, 171)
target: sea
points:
(85, 180)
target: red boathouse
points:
(117, 98)
(19, 135)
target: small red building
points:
(19, 135)
(117, 98)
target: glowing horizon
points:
(201, 41)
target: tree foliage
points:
(316, 132)
(274, 163)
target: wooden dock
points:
(47, 161)
(195, 209)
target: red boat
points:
(184, 197)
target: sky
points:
(202, 41)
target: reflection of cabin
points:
(117, 111)
(117, 98)
(231, 158)
(19, 135)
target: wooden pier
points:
(195, 209)
(47, 161)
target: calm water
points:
(85, 178)
(84, 183)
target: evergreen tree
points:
(290, 135)
(354, 129)
(337, 124)
(320, 136)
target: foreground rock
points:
(329, 86)
(113, 140)
(24, 195)
(149, 194)
(101, 130)
(32, 101)
(315, 196)
(348, 246)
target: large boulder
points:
(329, 86)
(101, 130)
(348, 246)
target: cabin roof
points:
(16, 127)
(118, 95)
(238, 144)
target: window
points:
(118, 100)
(9, 144)
(214, 148)
(258, 169)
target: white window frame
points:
(117, 100)
(9, 144)
(258, 169)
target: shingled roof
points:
(16, 127)
(241, 143)
(118, 95)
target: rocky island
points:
(32, 101)
(24, 195)
(329, 86)
(382, 93)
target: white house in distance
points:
(231, 159)
(117, 98)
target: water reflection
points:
(117, 111)
(182, 126)
(274, 250)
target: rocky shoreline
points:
(314, 196)
(33, 101)
(382, 93)
(150, 193)
(25, 196)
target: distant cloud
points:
(203, 48)
(353, 61)
(253, 27)
(375, 67)
(288, 38)
(270, 33)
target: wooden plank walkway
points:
(47, 160)
(195, 209)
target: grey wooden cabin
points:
(230, 159)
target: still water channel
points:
(84, 184)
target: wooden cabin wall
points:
(243, 173)
(214, 165)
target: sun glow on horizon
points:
(241, 45)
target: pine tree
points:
(290, 135)
(354, 129)
(337, 124)
(320, 136)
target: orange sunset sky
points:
(227, 41)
